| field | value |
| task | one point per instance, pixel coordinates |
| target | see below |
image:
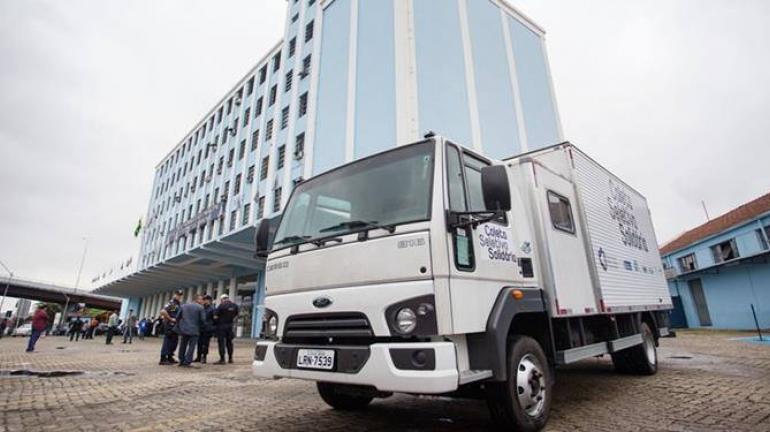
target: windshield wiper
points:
(292, 239)
(360, 224)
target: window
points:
(246, 214)
(260, 207)
(242, 150)
(227, 191)
(687, 263)
(309, 31)
(284, 118)
(263, 75)
(302, 105)
(475, 195)
(289, 78)
(725, 251)
(233, 219)
(219, 116)
(561, 213)
(258, 107)
(230, 157)
(220, 165)
(237, 186)
(277, 200)
(200, 156)
(306, 66)
(299, 146)
(254, 140)
(269, 130)
(763, 235)
(246, 116)
(250, 175)
(230, 106)
(281, 156)
(203, 179)
(273, 95)
(263, 169)
(292, 47)
(221, 228)
(250, 87)
(277, 62)
(455, 180)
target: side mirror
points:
(495, 187)
(264, 237)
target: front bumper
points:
(378, 370)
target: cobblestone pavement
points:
(706, 382)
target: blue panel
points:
(497, 114)
(443, 98)
(258, 306)
(535, 87)
(376, 75)
(331, 108)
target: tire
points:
(640, 359)
(523, 401)
(336, 397)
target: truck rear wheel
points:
(523, 401)
(640, 359)
(340, 397)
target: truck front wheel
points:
(640, 359)
(341, 397)
(523, 401)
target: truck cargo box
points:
(621, 270)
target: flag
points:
(138, 228)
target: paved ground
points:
(706, 382)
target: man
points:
(170, 337)
(224, 317)
(92, 328)
(130, 327)
(75, 326)
(190, 319)
(39, 324)
(112, 327)
(3, 325)
(206, 331)
(142, 328)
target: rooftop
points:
(738, 215)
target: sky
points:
(673, 96)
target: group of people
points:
(190, 327)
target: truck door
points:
(483, 259)
(573, 291)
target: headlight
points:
(272, 326)
(406, 320)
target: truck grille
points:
(321, 327)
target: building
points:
(717, 271)
(350, 78)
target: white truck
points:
(430, 269)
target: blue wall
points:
(331, 112)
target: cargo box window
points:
(725, 251)
(561, 213)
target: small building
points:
(716, 272)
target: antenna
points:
(705, 210)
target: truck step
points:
(573, 355)
(625, 342)
(474, 375)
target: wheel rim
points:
(649, 348)
(530, 385)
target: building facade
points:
(350, 78)
(718, 271)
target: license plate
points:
(315, 359)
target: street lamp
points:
(7, 285)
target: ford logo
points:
(322, 302)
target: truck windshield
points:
(381, 191)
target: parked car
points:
(23, 330)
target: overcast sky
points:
(674, 96)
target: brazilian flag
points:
(138, 228)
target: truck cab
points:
(426, 269)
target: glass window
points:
(561, 213)
(725, 251)
(389, 189)
(455, 180)
(473, 168)
(687, 263)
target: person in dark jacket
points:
(190, 320)
(206, 331)
(76, 325)
(170, 337)
(224, 317)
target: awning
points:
(230, 256)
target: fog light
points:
(406, 320)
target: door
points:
(573, 290)
(483, 259)
(699, 298)
(677, 318)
